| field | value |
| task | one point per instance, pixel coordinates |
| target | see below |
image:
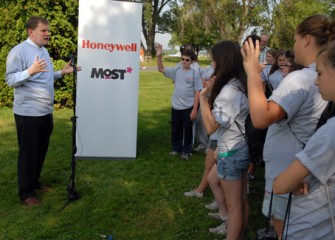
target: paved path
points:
(149, 68)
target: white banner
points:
(109, 35)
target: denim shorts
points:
(279, 204)
(212, 144)
(233, 164)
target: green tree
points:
(204, 22)
(289, 13)
(156, 19)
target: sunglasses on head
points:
(186, 59)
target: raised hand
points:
(159, 50)
(208, 86)
(250, 54)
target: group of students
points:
(297, 153)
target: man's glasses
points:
(185, 59)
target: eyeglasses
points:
(186, 59)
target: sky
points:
(163, 39)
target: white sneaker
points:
(186, 156)
(212, 206)
(200, 147)
(221, 229)
(217, 216)
(193, 193)
(174, 153)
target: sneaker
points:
(217, 216)
(186, 156)
(221, 229)
(212, 206)
(200, 147)
(174, 153)
(193, 193)
(251, 176)
(144, 68)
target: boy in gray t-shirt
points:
(185, 101)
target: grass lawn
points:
(129, 199)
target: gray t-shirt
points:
(302, 102)
(310, 214)
(207, 73)
(274, 78)
(186, 82)
(229, 106)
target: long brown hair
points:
(228, 65)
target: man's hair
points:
(189, 53)
(186, 49)
(254, 38)
(34, 21)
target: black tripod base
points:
(72, 194)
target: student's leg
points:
(188, 131)
(232, 190)
(177, 130)
(278, 226)
(232, 172)
(214, 183)
(251, 171)
(201, 135)
(278, 210)
(245, 202)
(209, 162)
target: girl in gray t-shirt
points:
(292, 111)
(225, 112)
(312, 174)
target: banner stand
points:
(109, 37)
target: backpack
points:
(255, 137)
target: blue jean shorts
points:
(231, 165)
(279, 204)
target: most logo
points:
(110, 73)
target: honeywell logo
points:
(111, 47)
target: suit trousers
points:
(33, 134)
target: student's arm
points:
(194, 112)
(291, 179)
(159, 52)
(262, 112)
(207, 117)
